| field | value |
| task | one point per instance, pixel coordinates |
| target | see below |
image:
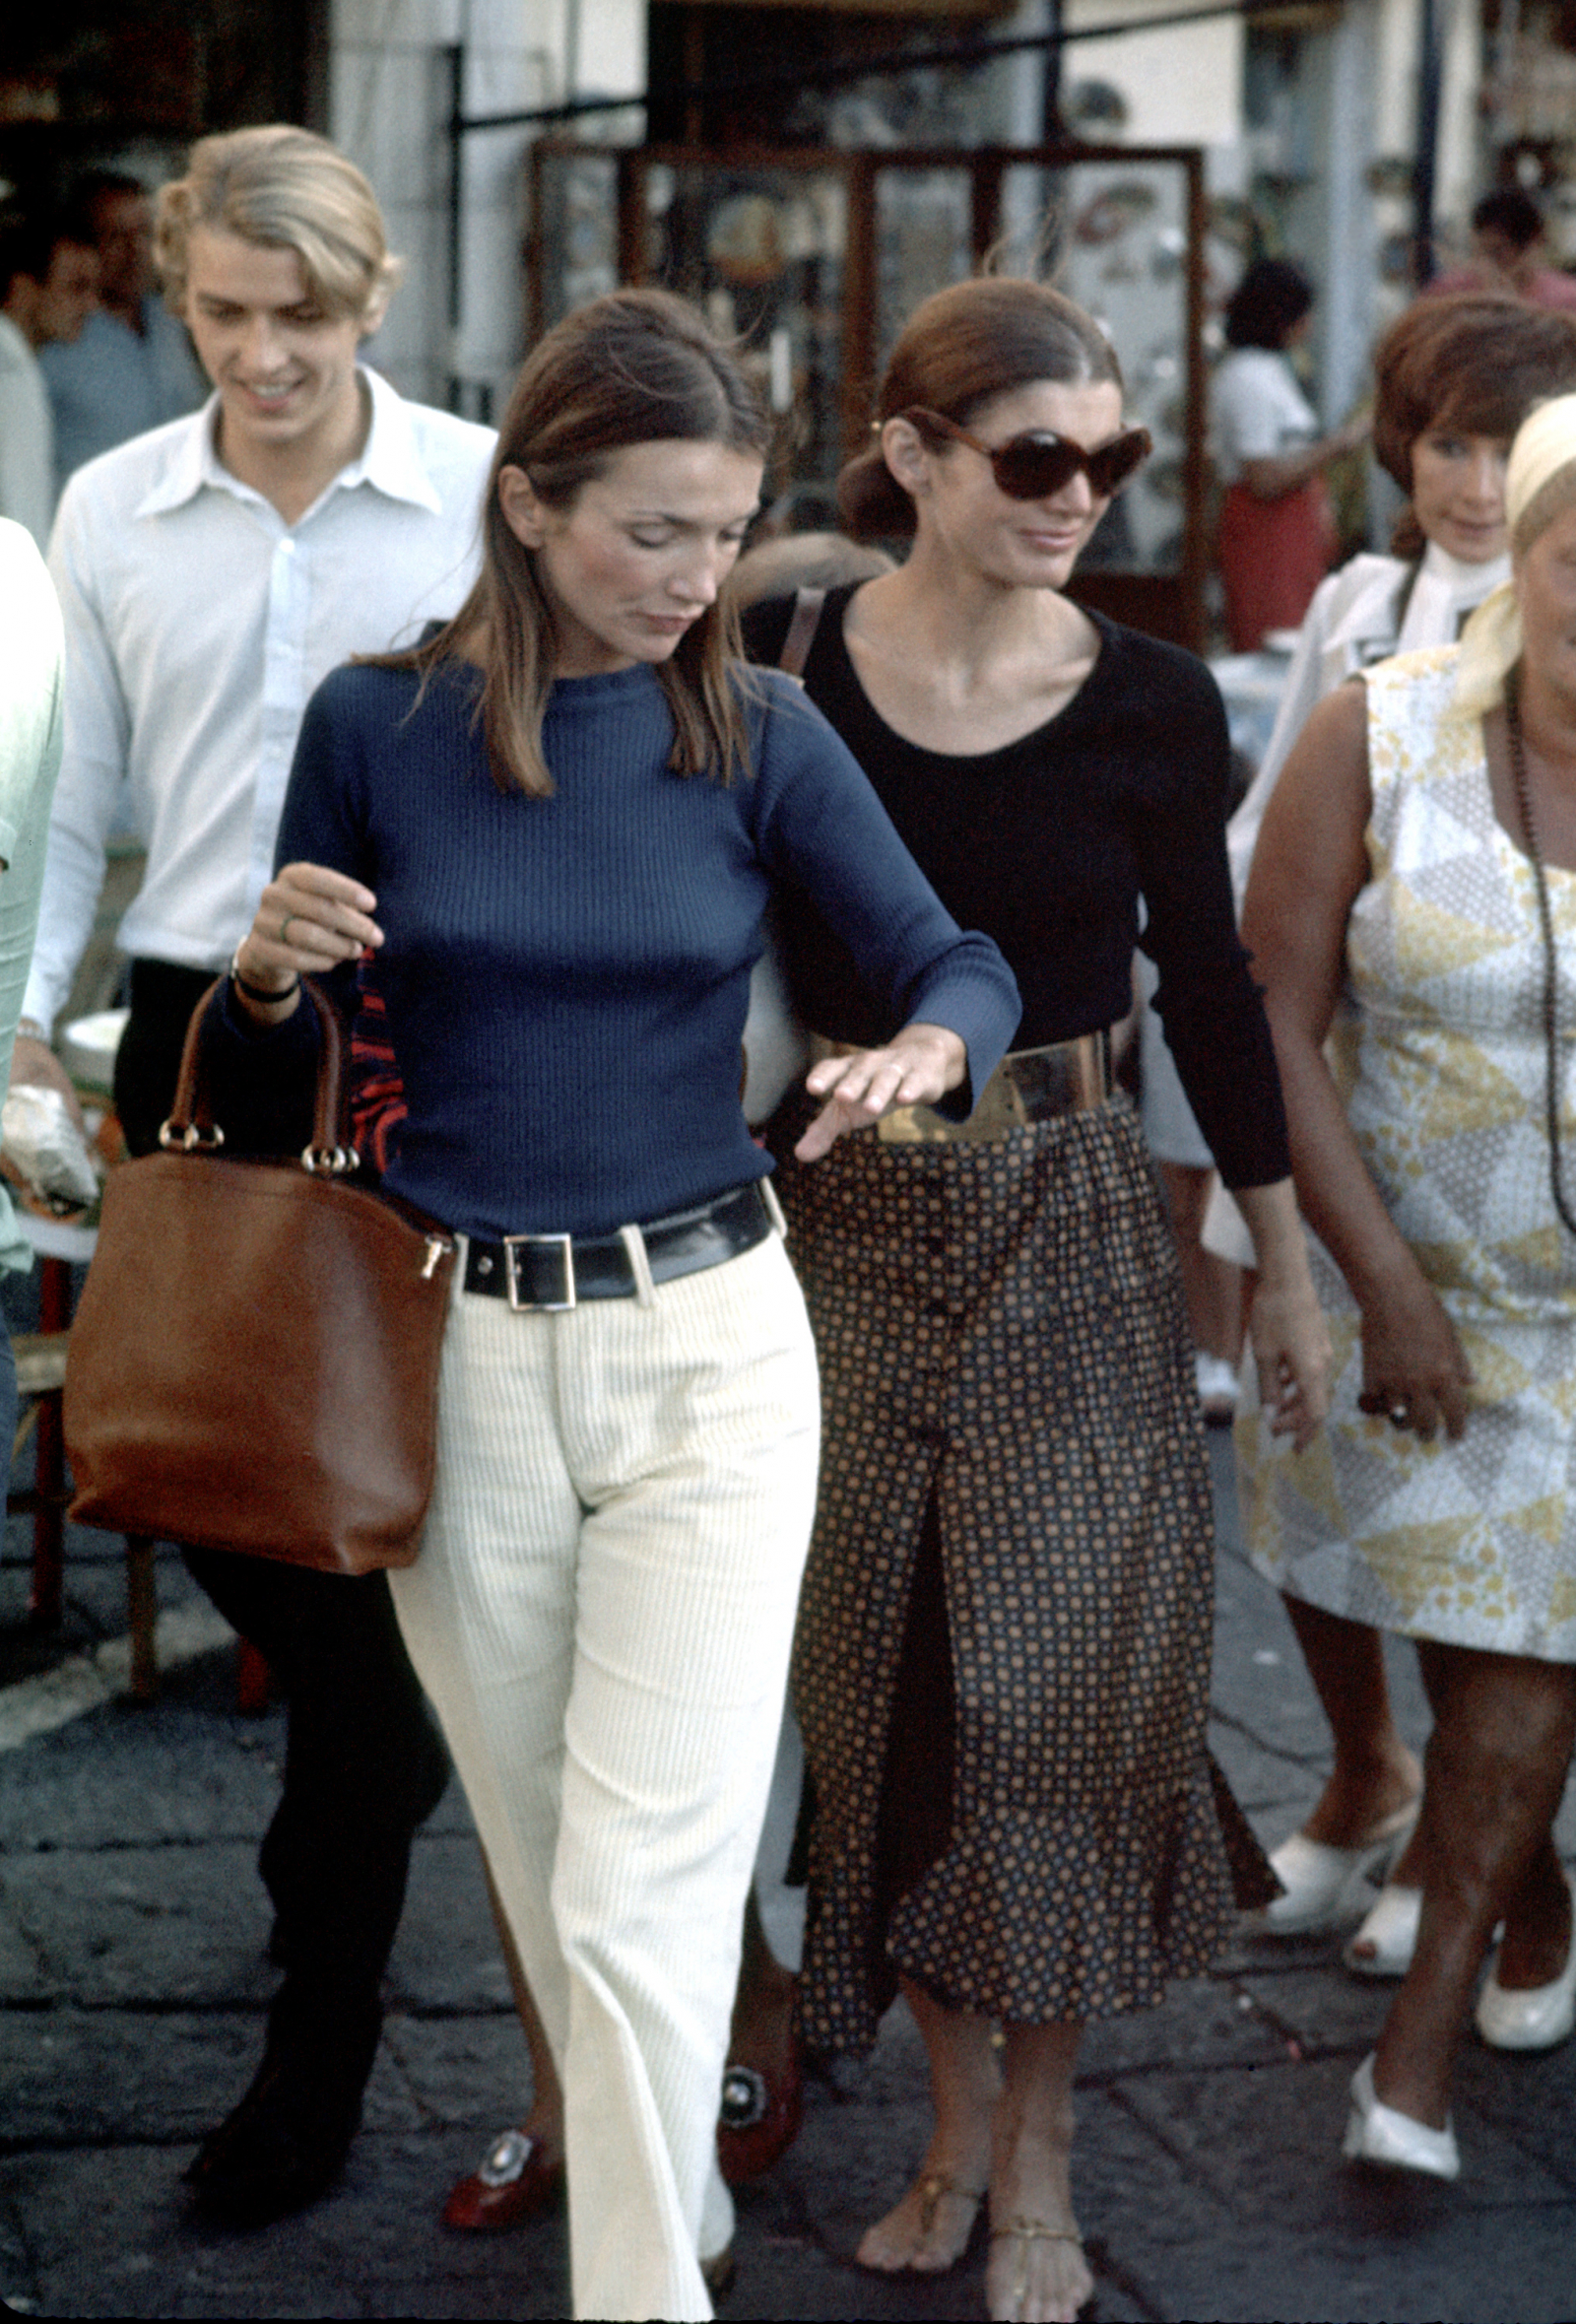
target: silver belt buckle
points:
(566, 1249)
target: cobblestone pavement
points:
(132, 1987)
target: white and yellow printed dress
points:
(1440, 1053)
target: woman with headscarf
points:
(1417, 865)
(1454, 379)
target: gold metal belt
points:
(1028, 1085)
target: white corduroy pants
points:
(601, 1614)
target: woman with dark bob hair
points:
(1454, 378)
(557, 823)
(1276, 535)
(1003, 1656)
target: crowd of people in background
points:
(91, 353)
(477, 730)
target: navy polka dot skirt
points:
(1003, 1345)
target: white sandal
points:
(1377, 2133)
(1535, 2017)
(1023, 2232)
(1324, 1886)
(1391, 1928)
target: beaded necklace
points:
(1546, 921)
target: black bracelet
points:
(256, 992)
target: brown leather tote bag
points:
(254, 1361)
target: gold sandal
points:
(1023, 2232)
(933, 2188)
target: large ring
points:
(283, 927)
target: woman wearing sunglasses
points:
(1003, 1653)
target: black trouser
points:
(363, 1764)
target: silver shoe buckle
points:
(563, 1245)
(505, 2158)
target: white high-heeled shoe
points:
(1324, 1886)
(1536, 2017)
(1391, 1928)
(1377, 2133)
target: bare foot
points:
(928, 2231)
(1037, 2267)
(1036, 2272)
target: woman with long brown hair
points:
(1003, 1654)
(557, 823)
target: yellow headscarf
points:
(1491, 641)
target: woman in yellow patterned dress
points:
(1410, 891)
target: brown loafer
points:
(516, 2180)
(760, 2117)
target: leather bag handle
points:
(801, 630)
(191, 1126)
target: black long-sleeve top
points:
(1049, 845)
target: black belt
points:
(557, 1270)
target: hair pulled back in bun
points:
(960, 348)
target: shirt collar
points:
(1374, 608)
(390, 460)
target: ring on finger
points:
(283, 927)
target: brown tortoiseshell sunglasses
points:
(1031, 466)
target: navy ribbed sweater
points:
(567, 978)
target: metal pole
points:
(458, 125)
(1426, 162)
(1051, 130)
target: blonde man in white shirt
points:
(211, 573)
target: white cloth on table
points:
(602, 1614)
(198, 623)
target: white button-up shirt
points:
(197, 624)
(31, 688)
